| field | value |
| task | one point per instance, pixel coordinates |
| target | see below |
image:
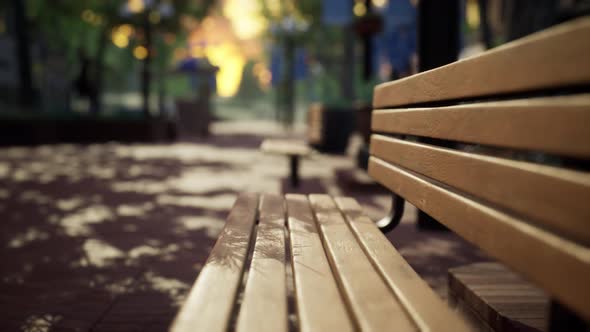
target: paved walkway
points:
(110, 237)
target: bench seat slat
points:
(553, 124)
(264, 306)
(428, 311)
(320, 307)
(559, 266)
(214, 292)
(552, 58)
(557, 200)
(288, 147)
(371, 301)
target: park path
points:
(110, 237)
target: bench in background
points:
(293, 149)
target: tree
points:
(87, 25)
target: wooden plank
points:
(551, 58)
(211, 299)
(373, 304)
(557, 125)
(314, 123)
(320, 307)
(288, 147)
(427, 310)
(485, 286)
(559, 266)
(555, 198)
(264, 307)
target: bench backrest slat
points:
(559, 266)
(497, 147)
(214, 293)
(320, 306)
(422, 304)
(264, 306)
(559, 198)
(553, 58)
(554, 125)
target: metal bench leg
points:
(294, 161)
(394, 216)
(563, 319)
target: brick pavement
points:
(110, 237)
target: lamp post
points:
(288, 31)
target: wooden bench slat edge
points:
(372, 303)
(427, 310)
(210, 302)
(559, 266)
(286, 147)
(554, 57)
(264, 305)
(557, 200)
(557, 125)
(319, 304)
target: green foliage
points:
(364, 89)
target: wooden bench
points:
(495, 147)
(346, 274)
(293, 149)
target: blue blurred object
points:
(276, 64)
(300, 69)
(198, 67)
(188, 65)
(336, 12)
(399, 13)
(397, 42)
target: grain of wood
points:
(499, 296)
(551, 58)
(320, 307)
(557, 125)
(559, 266)
(373, 304)
(264, 307)
(211, 300)
(553, 197)
(427, 310)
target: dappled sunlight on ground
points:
(112, 236)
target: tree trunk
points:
(347, 84)
(23, 54)
(96, 100)
(146, 76)
(486, 33)
(289, 81)
(368, 48)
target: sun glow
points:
(228, 42)
(231, 63)
(245, 18)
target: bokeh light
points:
(359, 9)
(120, 40)
(472, 14)
(245, 17)
(140, 52)
(380, 3)
(135, 6)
